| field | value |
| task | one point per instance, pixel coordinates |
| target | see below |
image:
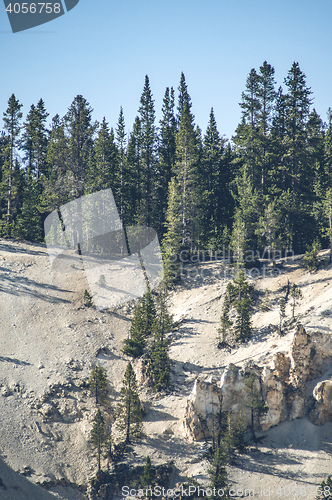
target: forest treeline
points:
(270, 186)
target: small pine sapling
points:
(97, 435)
(282, 315)
(296, 295)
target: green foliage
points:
(325, 489)
(296, 295)
(239, 298)
(267, 189)
(129, 411)
(218, 471)
(266, 306)
(143, 325)
(98, 384)
(310, 260)
(160, 369)
(254, 401)
(148, 474)
(87, 299)
(282, 315)
(97, 435)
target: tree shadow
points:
(15, 361)
(19, 286)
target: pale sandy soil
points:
(49, 343)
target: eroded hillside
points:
(50, 342)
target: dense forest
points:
(270, 186)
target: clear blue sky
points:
(103, 49)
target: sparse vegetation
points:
(239, 299)
(266, 306)
(310, 259)
(129, 411)
(87, 299)
(296, 295)
(97, 436)
(254, 402)
(98, 384)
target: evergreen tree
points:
(238, 297)
(187, 151)
(245, 217)
(80, 132)
(98, 384)
(167, 136)
(254, 402)
(12, 127)
(218, 473)
(97, 436)
(100, 172)
(325, 489)
(143, 325)
(171, 243)
(146, 208)
(35, 139)
(160, 368)
(121, 193)
(29, 221)
(296, 295)
(216, 199)
(148, 474)
(56, 190)
(133, 162)
(282, 314)
(184, 100)
(129, 412)
(135, 343)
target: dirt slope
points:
(49, 342)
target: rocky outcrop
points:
(322, 394)
(282, 384)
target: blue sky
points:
(104, 49)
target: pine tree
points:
(171, 244)
(166, 150)
(282, 314)
(160, 368)
(238, 297)
(135, 343)
(218, 473)
(187, 150)
(135, 175)
(148, 474)
(121, 192)
(225, 322)
(254, 402)
(101, 168)
(56, 188)
(97, 436)
(216, 199)
(184, 100)
(245, 217)
(80, 132)
(98, 384)
(325, 489)
(228, 440)
(12, 127)
(146, 209)
(35, 139)
(129, 412)
(296, 295)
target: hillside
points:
(49, 343)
